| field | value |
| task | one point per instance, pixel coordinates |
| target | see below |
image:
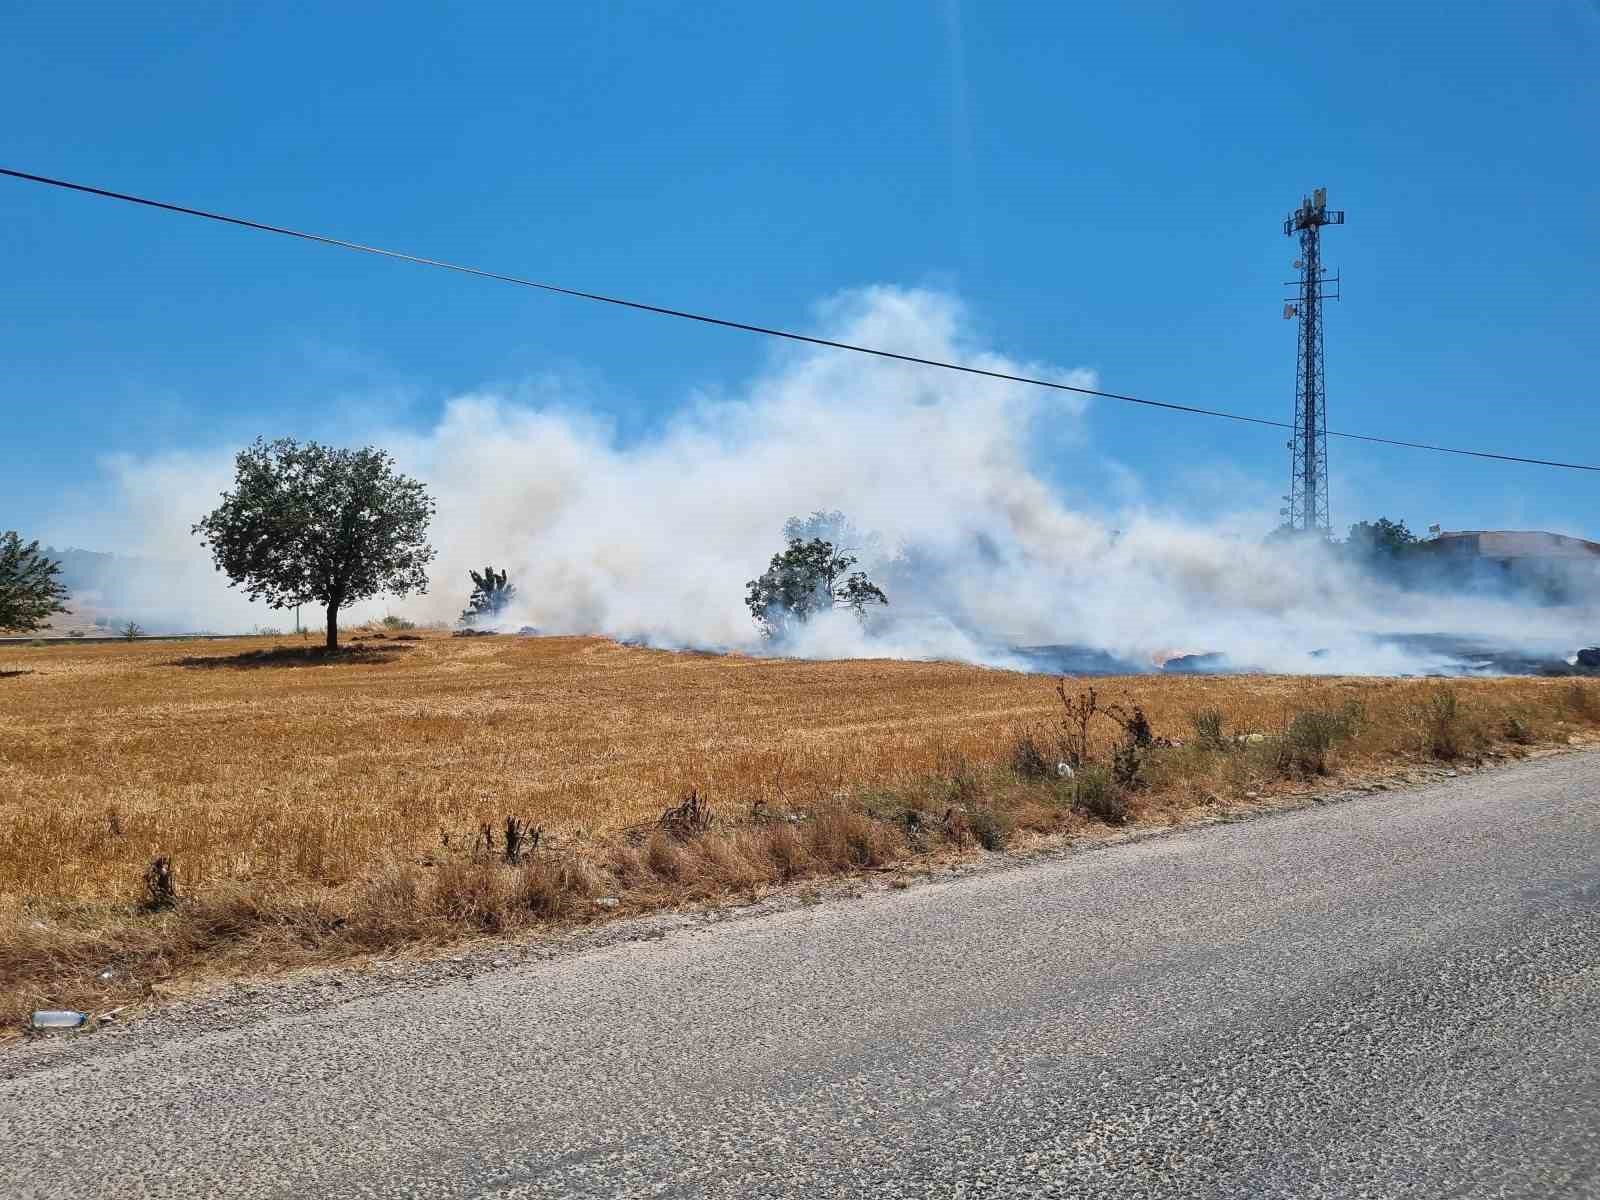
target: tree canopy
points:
(807, 577)
(1380, 539)
(29, 588)
(492, 593)
(313, 524)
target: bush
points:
(992, 829)
(1208, 733)
(844, 839)
(1311, 734)
(1308, 739)
(1097, 794)
(400, 623)
(554, 888)
(1135, 725)
(787, 852)
(1027, 760)
(1442, 724)
(1518, 731)
(1127, 764)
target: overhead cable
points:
(764, 330)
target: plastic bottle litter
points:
(58, 1018)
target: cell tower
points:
(1308, 483)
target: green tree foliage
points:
(491, 594)
(313, 524)
(1380, 540)
(29, 589)
(808, 576)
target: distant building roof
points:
(1517, 543)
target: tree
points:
(29, 589)
(491, 595)
(313, 524)
(1382, 540)
(807, 577)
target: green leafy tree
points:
(29, 588)
(314, 524)
(1382, 540)
(808, 577)
(492, 594)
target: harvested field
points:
(317, 809)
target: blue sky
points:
(1103, 186)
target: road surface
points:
(1397, 996)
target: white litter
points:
(53, 1018)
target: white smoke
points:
(977, 551)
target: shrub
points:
(991, 828)
(1127, 763)
(131, 630)
(393, 622)
(1097, 794)
(1311, 734)
(472, 894)
(552, 888)
(1135, 725)
(1442, 724)
(160, 889)
(1518, 731)
(1078, 711)
(843, 838)
(725, 861)
(1208, 733)
(1308, 739)
(1027, 760)
(688, 819)
(787, 852)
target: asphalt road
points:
(1397, 996)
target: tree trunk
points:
(333, 627)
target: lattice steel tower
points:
(1308, 484)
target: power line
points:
(745, 327)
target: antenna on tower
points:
(1308, 476)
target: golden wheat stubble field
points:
(112, 754)
(271, 776)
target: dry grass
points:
(316, 809)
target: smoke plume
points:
(978, 552)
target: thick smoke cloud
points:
(978, 552)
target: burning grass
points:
(313, 811)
